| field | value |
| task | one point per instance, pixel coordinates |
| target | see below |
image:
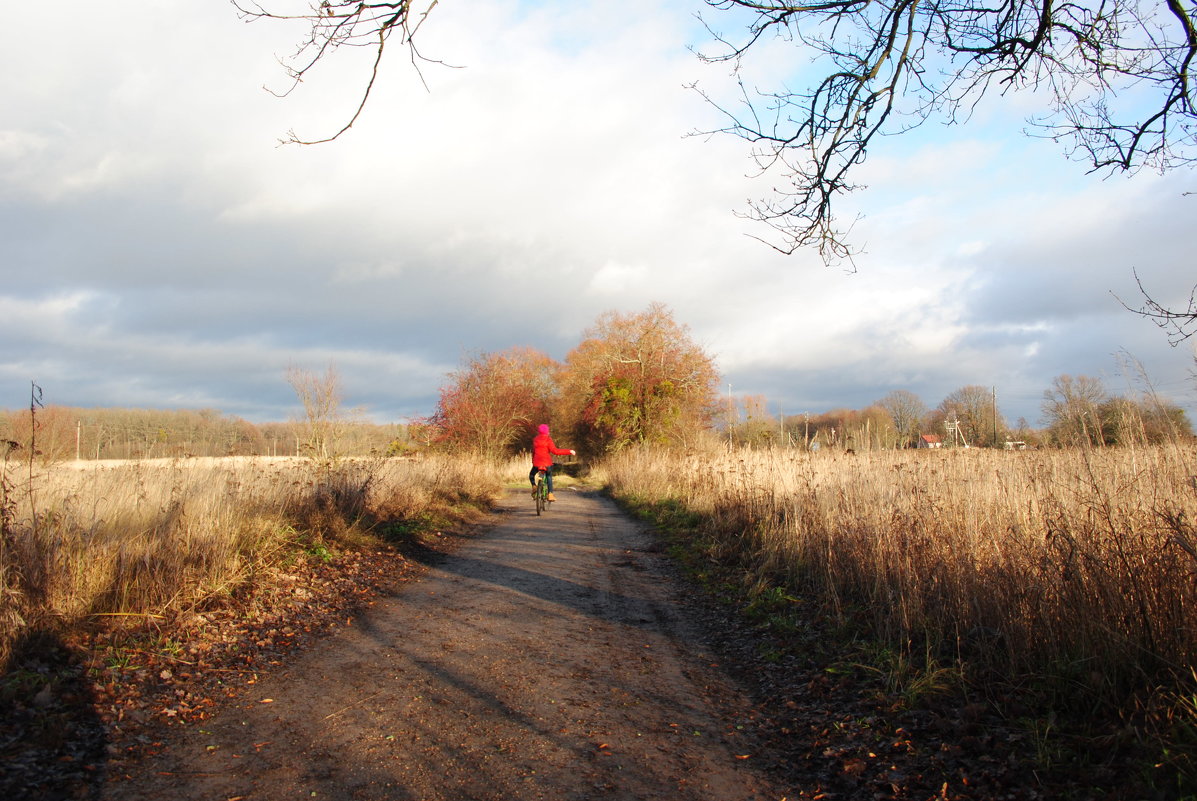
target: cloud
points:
(158, 248)
(616, 279)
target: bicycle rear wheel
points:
(540, 496)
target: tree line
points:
(634, 379)
(641, 379)
(57, 433)
(1077, 410)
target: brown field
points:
(1069, 575)
(1077, 561)
(156, 538)
(1071, 570)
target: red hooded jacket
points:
(543, 450)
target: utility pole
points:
(994, 441)
(731, 415)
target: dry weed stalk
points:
(1080, 563)
(158, 538)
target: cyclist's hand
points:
(573, 453)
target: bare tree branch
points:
(344, 23)
(890, 65)
(1180, 325)
(1118, 74)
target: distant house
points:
(930, 441)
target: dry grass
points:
(1079, 565)
(1048, 582)
(158, 538)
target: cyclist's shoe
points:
(551, 498)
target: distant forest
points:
(66, 433)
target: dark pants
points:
(548, 476)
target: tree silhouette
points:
(344, 23)
(1180, 324)
(1117, 74)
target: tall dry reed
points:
(1076, 564)
(155, 538)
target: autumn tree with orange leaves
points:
(638, 378)
(492, 402)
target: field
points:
(156, 539)
(1069, 577)
(1040, 583)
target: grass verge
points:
(155, 542)
(1053, 589)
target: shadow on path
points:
(593, 601)
(52, 744)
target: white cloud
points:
(152, 234)
(617, 279)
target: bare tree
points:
(972, 408)
(906, 410)
(1071, 409)
(889, 66)
(321, 399)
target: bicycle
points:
(541, 492)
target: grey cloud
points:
(202, 260)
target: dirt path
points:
(549, 658)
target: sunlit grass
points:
(1079, 567)
(158, 538)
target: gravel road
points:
(551, 657)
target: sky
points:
(160, 249)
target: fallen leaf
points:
(854, 767)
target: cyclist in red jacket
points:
(543, 451)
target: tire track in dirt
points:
(549, 658)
